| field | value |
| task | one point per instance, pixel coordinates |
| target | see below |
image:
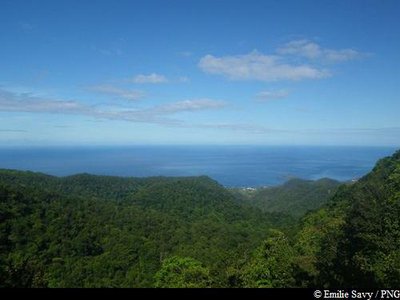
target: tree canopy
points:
(99, 231)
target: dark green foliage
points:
(271, 264)
(178, 272)
(367, 254)
(98, 231)
(354, 240)
(316, 228)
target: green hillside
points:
(295, 197)
(354, 240)
(99, 231)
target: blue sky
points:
(199, 72)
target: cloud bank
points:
(160, 114)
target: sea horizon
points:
(230, 165)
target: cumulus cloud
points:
(272, 94)
(295, 60)
(311, 50)
(117, 92)
(151, 78)
(258, 66)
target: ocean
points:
(232, 166)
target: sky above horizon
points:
(199, 72)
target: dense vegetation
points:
(294, 197)
(94, 231)
(354, 240)
(98, 231)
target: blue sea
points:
(232, 166)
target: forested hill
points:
(98, 231)
(354, 240)
(294, 197)
(101, 231)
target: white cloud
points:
(272, 94)
(189, 105)
(257, 66)
(341, 55)
(25, 102)
(116, 91)
(296, 60)
(310, 50)
(161, 115)
(151, 78)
